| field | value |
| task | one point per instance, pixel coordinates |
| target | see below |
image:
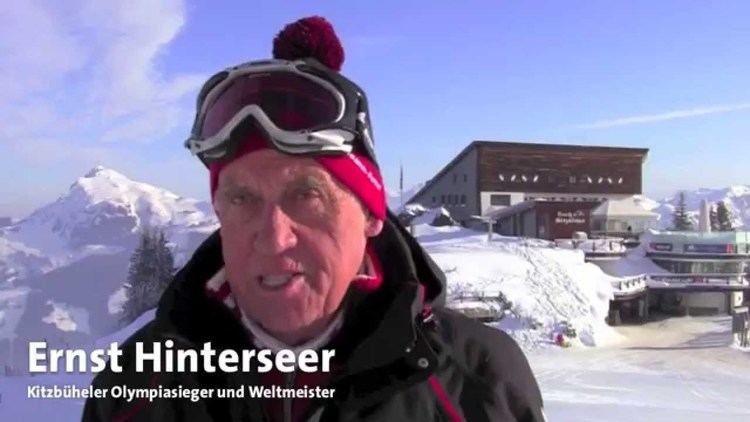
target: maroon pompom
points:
(310, 37)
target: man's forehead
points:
(290, 174)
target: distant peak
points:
(95, 171)
(101, 171)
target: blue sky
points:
(113, 83)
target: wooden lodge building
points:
(536, 190)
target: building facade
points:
(705, 272)
(487, 177)
(544, 219)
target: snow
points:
(72, 255)
(15, 404)
(18, 261)
(116, 301)
(121, 335)
(601, 245)
(68, 318)
(634, 263)
(429, 216)
(679, 369)
(101, 213)
(546, 286)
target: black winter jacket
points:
(401, 355)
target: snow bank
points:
(547, 287)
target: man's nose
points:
(276, 233)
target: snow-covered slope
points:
(18, 261)
(547, 286)
(16, 405)
(736, 198)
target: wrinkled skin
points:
(285, 215)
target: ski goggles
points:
(301, 107)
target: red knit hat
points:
(314, 37)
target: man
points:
(308, 257)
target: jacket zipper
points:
(289, 382)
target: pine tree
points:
(151, 270)
(713, 217)
(680, 219)
(724, 217)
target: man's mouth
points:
(279, 281)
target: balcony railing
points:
(711, 281)
(697, 280)
(629, 285)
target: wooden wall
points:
(554, 165)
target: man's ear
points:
(374, 226)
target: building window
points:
(501, 177)
(434, 199)
(463, 199)
(442, 199)
(455, 177)
(466, 178)
(500, 200)
(572, 179)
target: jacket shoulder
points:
(493, 364)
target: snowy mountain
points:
(102, 213)
(62, 267)
(736, 198)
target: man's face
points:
(293, 239)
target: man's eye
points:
(307, 194)
(240, 198)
